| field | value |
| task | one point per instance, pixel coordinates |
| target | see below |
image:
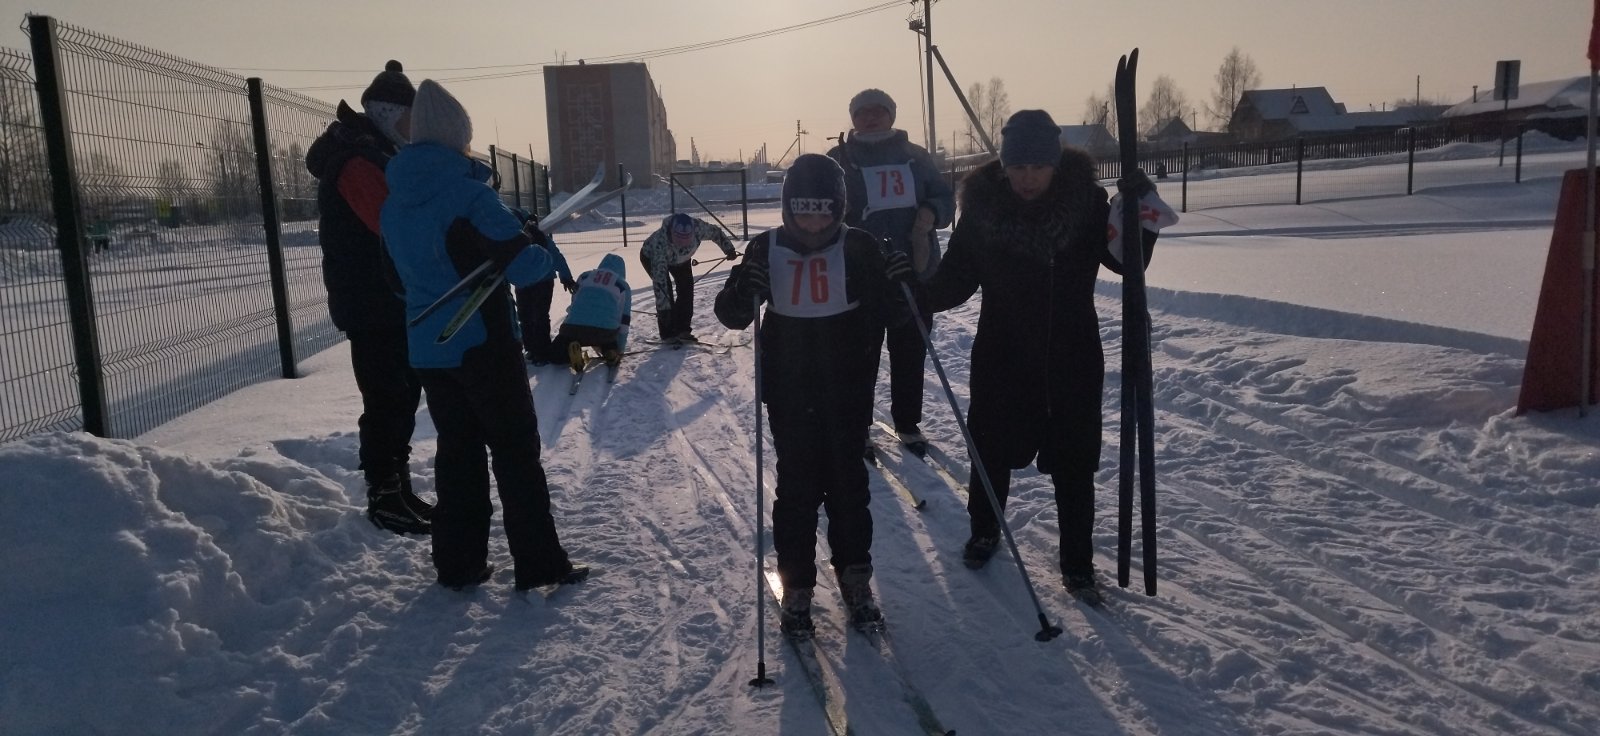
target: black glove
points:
(1135, 185)
(569, 285)
(753, 281)
(733, 256)
(897, 266)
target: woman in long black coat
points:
(1032, 235)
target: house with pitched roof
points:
(1276, 114)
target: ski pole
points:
(761, 539)
(690, 192)
(711, 263)
(1047, 630)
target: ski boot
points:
(422, 509)
(470, 581)
(575, 357)
(1084, 587)
(855, 587)
(979, 549)
(913, 440)
(613, 358)
(794, 615)
(869, 453)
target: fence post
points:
(672, 192)
(622, 176)
(1411, 158)
(744, 200)
(1521, 129)
(69, 222)
(1184, 205)
(269, 222)
(516, 181)
(544, 202)
(1299, 167)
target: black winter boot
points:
(422, 509)
(794, 615)
(855, 587)
(979, 549)
(387, 509)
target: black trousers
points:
(533, 311)
(1074, 493)
(584, 335)
(484, 410)
(908, 356)
(390, 392)
(819, 466)
(673, 319)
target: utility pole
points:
(1417, 101)
(927, 35)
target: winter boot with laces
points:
(855, 587)
(794, 615)
(978, 550)
(387, 508)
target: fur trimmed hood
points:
(1035, 228)
(985, 188)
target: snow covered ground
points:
(1358, 536)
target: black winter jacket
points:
(825, 366)
(1037, 371)
(354, 265)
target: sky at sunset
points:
(732, 98)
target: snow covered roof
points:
(1277, 104)
(1553, 95)
(1087, 136)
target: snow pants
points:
(819, 466)
(390, 392)
(674, 318)
(908, 357)
(484, 409)
(533, 312)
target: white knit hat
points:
(437, 117)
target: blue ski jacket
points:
(440, 222)
(603, 299)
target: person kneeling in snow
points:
(819, 341)
(599, 314)
(440, 222)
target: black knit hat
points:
(390, 86)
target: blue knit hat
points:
(1030, 137)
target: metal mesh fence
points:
(294, 122)
(38, 386)
(519, 181)
(170, 199)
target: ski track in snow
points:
(1337, 556)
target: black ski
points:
(821, 674)
(1137, 449)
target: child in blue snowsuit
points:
(439, 223)
(600, 312)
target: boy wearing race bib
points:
(829, 295)
(895, 193)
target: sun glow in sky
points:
(731, 99)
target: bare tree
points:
(1166, 102)
(971, 143)
(992, 105)
(24, 175)
(1097, 110)
(1236, 76)
(996, 108)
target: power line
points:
(523, 70)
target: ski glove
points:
(732, 256)
(570, 285)
(1136, 184)
(753, 281)
(897, 266)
